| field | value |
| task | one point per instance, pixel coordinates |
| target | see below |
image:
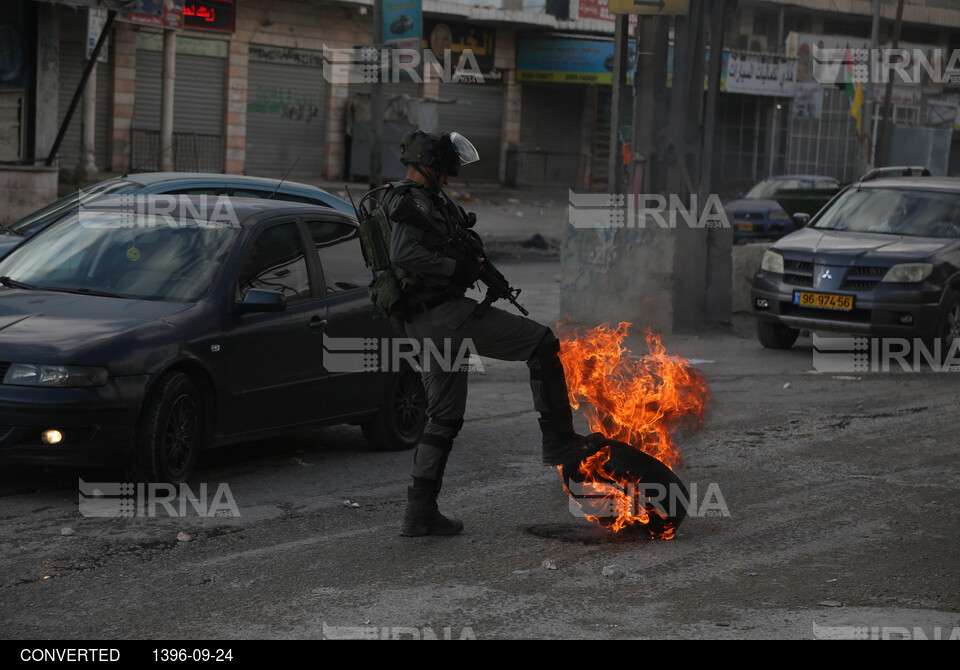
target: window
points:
(280, 195)
(276, 262)
(338, 248)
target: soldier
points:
(435, 309)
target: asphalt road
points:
(839, 517)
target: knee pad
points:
(449, 427)
(546, 350)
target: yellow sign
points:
(655, 7)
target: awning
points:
(115, 5)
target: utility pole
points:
(168, 81)
(870, 157)
(885, 122)
(620, 39)
(376, 101)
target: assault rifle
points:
(466, 242)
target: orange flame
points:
(640, 401)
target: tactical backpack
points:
(388, 286)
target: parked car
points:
(187, 183)
(882, 259)
(761, 215)
(125, 338)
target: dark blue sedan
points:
(758, 216)
(144, 330)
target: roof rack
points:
(895, 171)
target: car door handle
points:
(317, 324)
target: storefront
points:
(286, 112)
(198, 107)
(561, 129)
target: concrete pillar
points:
(235, 128)
(124, 92)
(87, 167)
(48, 78)
(166, 104)
(505, 61)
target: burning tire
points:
(623, 489)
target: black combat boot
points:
(561, 444)
(422, 516)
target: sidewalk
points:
(503, 214)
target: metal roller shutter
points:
(286, 112)
(198, 111)
(359, 157)
(73, 29)
(550, 122)
(478, 116)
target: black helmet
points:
(440, 151)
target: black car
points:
(401, 25)
(881, 259)
(144, 331)
(184, 183)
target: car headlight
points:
(908, 273)
(60, 376)
(772, 262)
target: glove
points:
(466, 272)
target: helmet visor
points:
(464, 148)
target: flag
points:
(856, 105)
(848, 74)
(855, 93)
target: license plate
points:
(823, 300)
(744, 227)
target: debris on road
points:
(613, 572)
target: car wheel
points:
(775, 335)
(171, 430)
(949, 325)
(402, 416)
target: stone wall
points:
(25, 189)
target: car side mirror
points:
(262, 300)
(800, 220)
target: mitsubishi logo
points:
(825, 274)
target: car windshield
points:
(100, 252)
(895, 212)
(768, 188)
(51, 212)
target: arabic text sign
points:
(568, 61)
(649, 6)
(155, 13)
(214, 15)
(761, 74)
